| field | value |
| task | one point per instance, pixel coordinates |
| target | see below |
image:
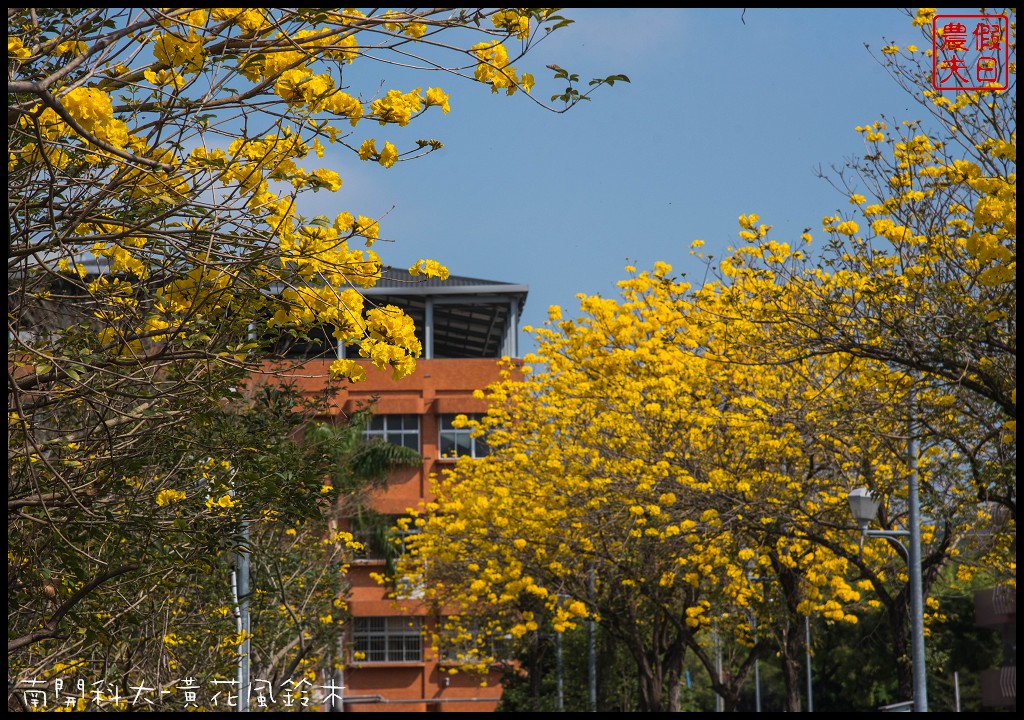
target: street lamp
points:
(864, 507)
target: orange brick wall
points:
(436, 387)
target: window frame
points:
(401, 433)
(478, 447)
(392, 634)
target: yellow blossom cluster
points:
(397, 107)
(512, 21)
(167, 496)
(641, 453)
(180, 51)
(391, 340)
(494, 70)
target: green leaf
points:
(560, 73)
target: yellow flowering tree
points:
(919, 271)
(918, 276)
(849, 412)
(158, 161)
(641, 477)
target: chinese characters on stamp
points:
(970, 52)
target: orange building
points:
(465, 326)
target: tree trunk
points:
(899, 632)
(790, 666)
(789, 636)
(675, 686)
(649, 681)
(536, 673)
(659, 673)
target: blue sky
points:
(727, 112)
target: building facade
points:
(466, 326)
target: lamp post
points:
(864, 507)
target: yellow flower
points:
(437, 97)
(165, 497)
(73, 47)
(848, 227)
(397, 107)
(512, 22)
(388, 156)
(429, 268)
(347, 369)
(225, 501)
(924, 16)
(343, 104)
(16, 49)
(248, 21)
(89, 106)
(368, 228)
(327, 178)
(415, 30)
(184, 51)
(368, 149)
(165, 77)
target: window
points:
(396, 429)
(455, 442)
(388, 639)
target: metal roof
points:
(456, 317)
(400, 282)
